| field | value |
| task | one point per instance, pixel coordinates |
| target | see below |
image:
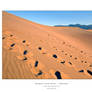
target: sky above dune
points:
(56, 17)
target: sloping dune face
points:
(34, 51)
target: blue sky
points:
(56, 17)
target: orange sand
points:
(72, 46)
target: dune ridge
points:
(35, 51)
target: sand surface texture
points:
(35, 51)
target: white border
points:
(28, 85)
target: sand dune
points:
(34, 51)
(89, 30)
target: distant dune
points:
(89, 30)
(35, 51)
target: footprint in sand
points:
(11, 35)
(12, 45)
(63, 62)
(3, 37)
(39, 73)
(39, 48)
(90, 65)
(62, 51)
(89, 72)
(58, 75)
(43, 53)
(85, 61)
(70, 55)
(63, 43)
(54, 55)
(25, 58)
(25, 52)
(81, 71)
(36, 63)
(65, 53)
(69, 45)
(82, 61)
(70, 63)
(75, 58)
(23, 41)
(27, 44)
(81, 51)
(56, 49)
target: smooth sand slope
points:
(34, 51)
